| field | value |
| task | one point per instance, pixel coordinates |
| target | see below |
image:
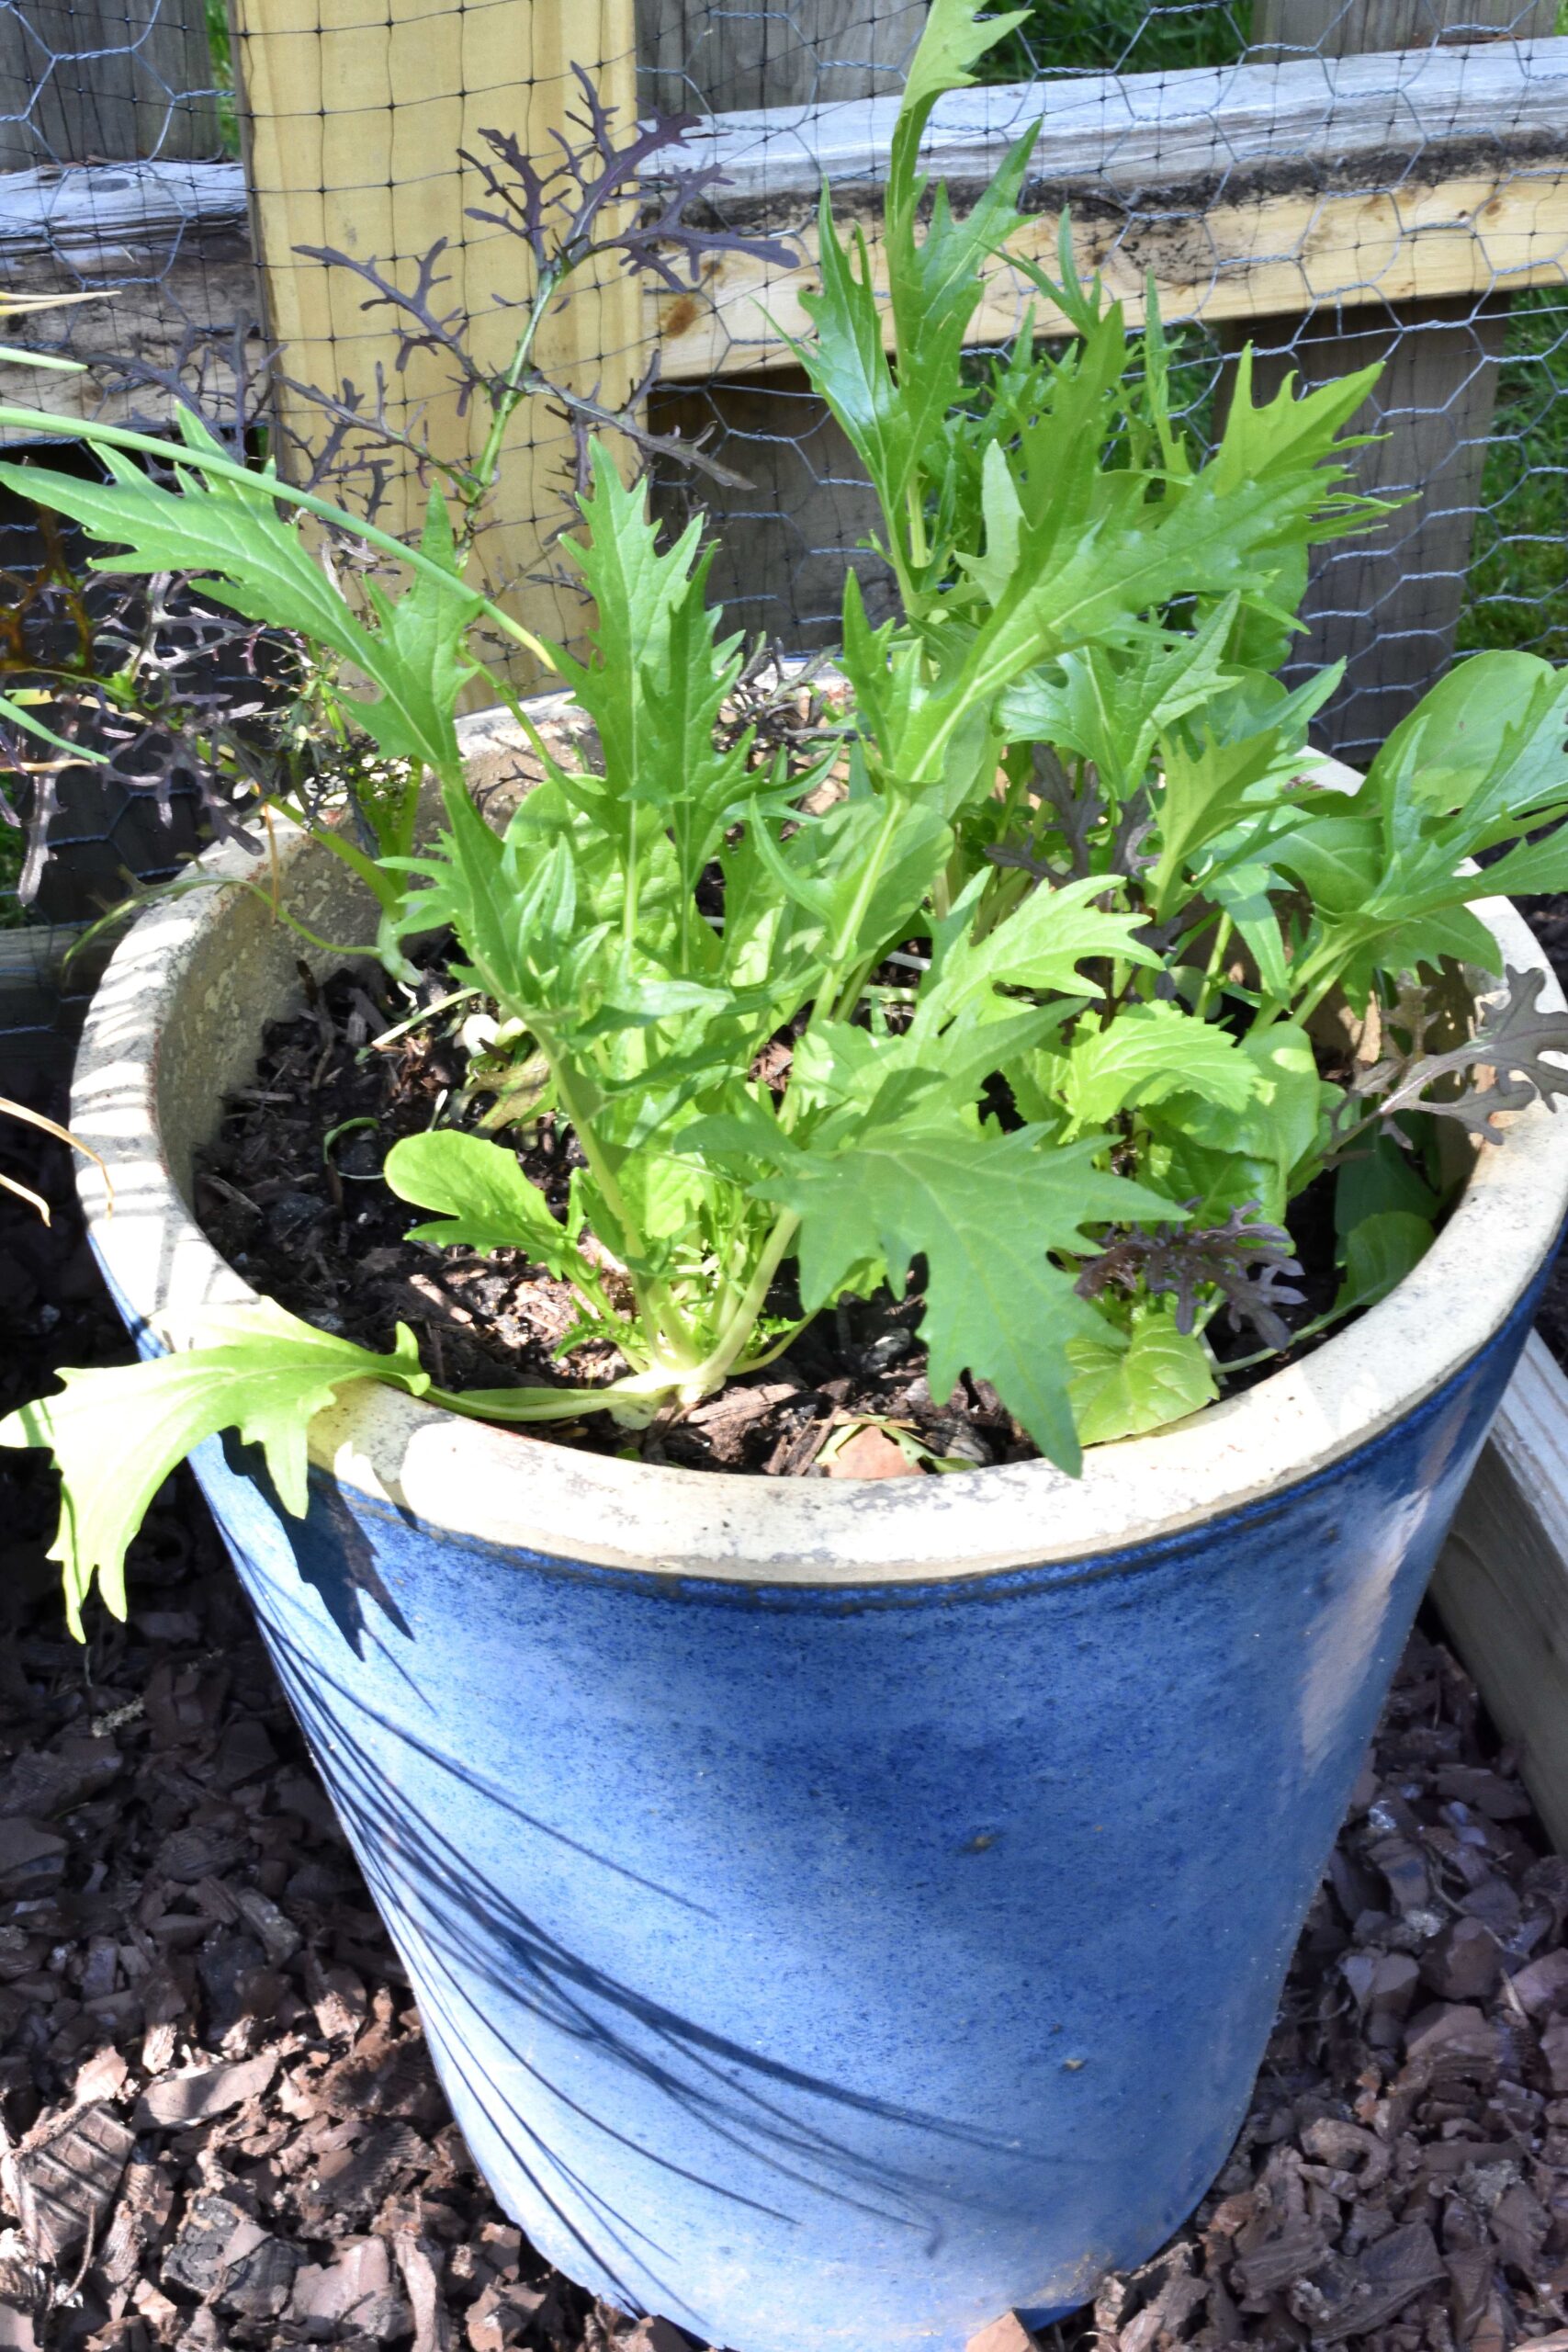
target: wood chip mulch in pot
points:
(222, 2129)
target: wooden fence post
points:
(784, 542)
(723, 59)
(105, 81)
(355, 113)
(1390, 604)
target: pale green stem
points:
(850, 930)
(716, 1365)
(629, 894)
(1223, 930)
(487, 463)
(656, 1308)
(919, 549)
(1315, 988)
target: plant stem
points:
(505, 399)
(716, 1366)
(657, 1310)
(1221, 941)
(849, 928)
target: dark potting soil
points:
(221, 2130)
(290, 1194)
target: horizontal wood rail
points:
(1248, 191)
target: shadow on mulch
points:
(220, 2125)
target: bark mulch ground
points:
(221, 2127)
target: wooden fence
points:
(1354, 197)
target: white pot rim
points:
(198, 959)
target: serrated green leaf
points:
(247, 555)
(1229, 1159)
(1146, 1053)
(956, 36)
(117, 1433)
(1041, 944)
(1114, 709)
(1124, 1385)
(1214, 772)
(1288, 435)
(487, 1202)
(422, 667)
(984, 1210)
(848, 367)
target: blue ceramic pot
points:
(839, 1912)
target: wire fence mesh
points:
(1262, 160)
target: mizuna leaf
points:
(847, 365)
(422, 666)
(1212, 776)
(984, 1210)
(1114, 709)
(117, 1433)
(245, 554)
(1146, 1053)
(955, 38)
(1228, 1160)
(1039, 945)
(487, 1200)
(1494, 727)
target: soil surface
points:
(289, 1191)
(221, 2127)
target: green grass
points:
(1517, 590)
(1123, 37)
(223, 75)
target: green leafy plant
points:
(1009, 1000)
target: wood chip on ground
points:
(222, 2131)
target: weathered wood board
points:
(1502, 1583)
(693, 56)
(1247, 192)
(86, 80)
(1359, 181)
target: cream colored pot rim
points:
(505, 1487)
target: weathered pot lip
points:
(506, 1489)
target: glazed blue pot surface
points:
(837, 1968)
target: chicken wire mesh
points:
(1286, 178)
(1178, 154)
